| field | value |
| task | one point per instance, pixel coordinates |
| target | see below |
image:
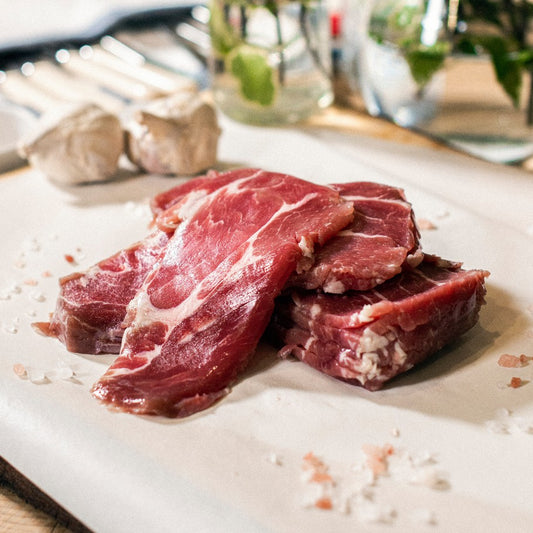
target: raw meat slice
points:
(92, 305)
(381, 240)
(202, 310)
(369, 337)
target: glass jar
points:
(401, 59)
(270, 61)
(462, 76)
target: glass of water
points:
(270, 61)
(401, 57)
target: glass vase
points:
(270, 61)
(401, 58)
(461, 76)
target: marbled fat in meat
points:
(369, 337)
(381, 241)
(202, 310)
(91, 305)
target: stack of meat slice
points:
(379, 306)
(368, 337)
(337, 272)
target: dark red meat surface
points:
(202, 310)
(92, 305)
(381, 241)
(371, 336)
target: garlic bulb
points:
(174, 135)
(75, 144)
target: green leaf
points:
(223, 37)
(425, 61)
(254, 74)
(507, 65)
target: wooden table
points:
(23, 507)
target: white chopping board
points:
(238, 466)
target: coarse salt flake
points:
(20, 263)
(506, 423)
(38, 296)
(20, 370)
(10, 328)
(425, 224)
(274, 459)
(424, 516)
(507, 360)
(376, 457)
(324, 503)
(36, 375)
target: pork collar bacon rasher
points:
(129, 384)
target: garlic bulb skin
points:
(176, 135)
(76, 143)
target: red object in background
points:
(335, 28)
(335, 24)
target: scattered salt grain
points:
(420, 469)
(20, 263)
(515, 382)
(509, 361)
(374, 513)
(136, 209)
(424, 517)
(274, 459)
(10, 291)
(10, 328)
(425, 224)
(31, 245)
(395, 432)
(357, 491)
(20, 370)
(38, 296)
(377, 458)
(62, 372)
(31, 282)
(319, 483)
(431, 477)
(506, 423)
(16, 289)
(36, 375)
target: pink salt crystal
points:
(424, 223)
(509, 361)
(20, 370)
(376, 457)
